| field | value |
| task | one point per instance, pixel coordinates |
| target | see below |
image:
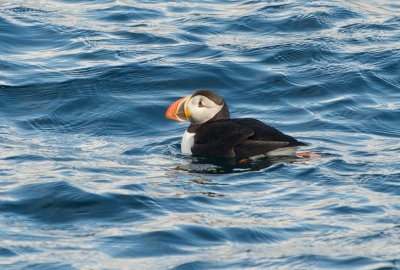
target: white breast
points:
(187, 143)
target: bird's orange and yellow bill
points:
(177, 110)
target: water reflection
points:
(231, 165)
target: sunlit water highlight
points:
(91, 175)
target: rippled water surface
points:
(91, 175)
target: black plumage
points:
(241, 138)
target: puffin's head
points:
(198, 108)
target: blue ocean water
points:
(91, 175)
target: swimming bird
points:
(212, 133)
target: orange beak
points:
(177, 110)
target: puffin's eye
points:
(200, 104)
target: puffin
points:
(212, 133)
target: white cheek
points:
(203, 114)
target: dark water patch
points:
(38, 201)
(390, 83)
(387, 183)
(348, 210)
(134, 187)
(360, 27)
(112, 171)
(197, 51)
(83, 2)
(254, 235)
(299, 54)
(276, 19)
(35, 33)
(29, 10)
(68, 117)
(189, 37)
(377, 235)
(201, 30)
(98, 55)
(319, 261)
(249, 24)
(182, 240)
(274, 7)
(342, 166)
(394, 20)
(5, 252)
(23, 158)
(304, 22)
(43, 266)
(79, 113)
(156, 243)
(179, 203)
(33, 36)
(123, 14)
(144, 38)
(206, 265)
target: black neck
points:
(222, 114)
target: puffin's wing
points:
(251, 148)
(264, 132)
(219, 139)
